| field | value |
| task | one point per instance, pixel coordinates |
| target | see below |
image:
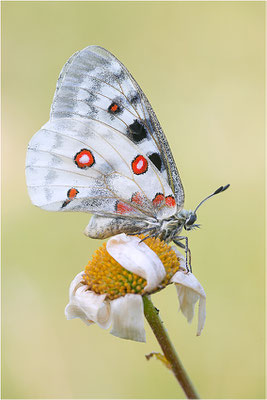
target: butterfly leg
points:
(187, 250)
(140, 232)
(149, 236)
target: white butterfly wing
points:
(76, 165)
(103, 150)
(94, 85)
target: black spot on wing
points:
(156, 159)
(66, 202)
(134, 98)
(95, 84)
(92, 98)
(120, 75)
(137, 131)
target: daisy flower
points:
(109, 291)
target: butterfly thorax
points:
(171, 228)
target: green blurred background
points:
(201, 64)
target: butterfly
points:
(103, 152)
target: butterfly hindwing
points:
(77, 166)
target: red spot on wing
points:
(158, 199)
(137, 198)
(84, 159)
(170, 201)
(139, 165)
(114, 108)
(123, 208)
(71, 194)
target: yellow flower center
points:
(104, 275)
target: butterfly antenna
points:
(219, 190)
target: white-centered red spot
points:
(123, 208)
(84, 159)
(139, 165)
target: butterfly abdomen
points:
(103, 227)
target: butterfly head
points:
(190, 221)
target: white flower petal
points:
(128, 317)
(187, 300)
(87, 305)
(137, 257)
(76, 283)
(103, 317)
(189, 292)
(72, 311)
(189, 280)
(201, 315)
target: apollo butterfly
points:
(103, 151)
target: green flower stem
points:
(168, 349)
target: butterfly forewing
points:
(94, 84)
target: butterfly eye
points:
(191, 220)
